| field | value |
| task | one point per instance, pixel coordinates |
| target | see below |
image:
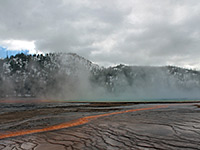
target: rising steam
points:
(73, 78)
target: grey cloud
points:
(143, 32)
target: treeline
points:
(69, 76)
(32, 76)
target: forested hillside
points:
(70, 76)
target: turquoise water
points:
(137, 100)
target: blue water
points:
(136, 100)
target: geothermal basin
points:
(41, 124)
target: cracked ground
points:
(176, 126)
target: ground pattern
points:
(175, 127)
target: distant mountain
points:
(72, 77)
(42, 75)
(144, 82)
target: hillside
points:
(71, 77)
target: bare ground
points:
(175, 127)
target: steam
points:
(144, 84)
(73, 78)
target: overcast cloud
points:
(108, 32)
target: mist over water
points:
(70, 77)
(125, 83)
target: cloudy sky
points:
(107, 32)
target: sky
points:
(107, 32)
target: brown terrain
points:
(99, 126)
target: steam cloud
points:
(71, 77)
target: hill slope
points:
(70, 76)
